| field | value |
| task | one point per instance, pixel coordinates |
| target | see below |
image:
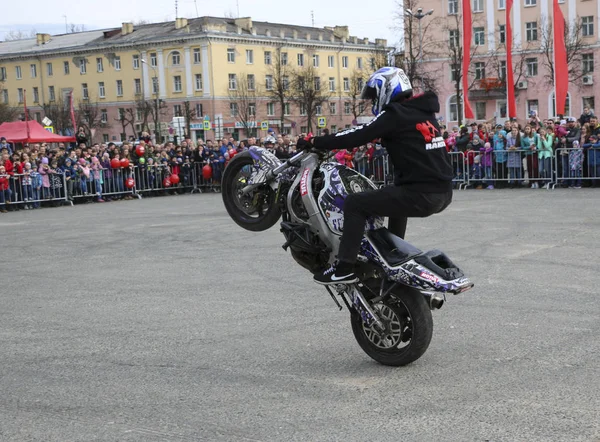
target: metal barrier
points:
(460, 170)
(212, 184)
(111, 182)
(575, 166)
(32, 188)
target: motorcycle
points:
(399, 285)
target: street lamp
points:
(156, 129)
(419, 16)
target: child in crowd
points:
(83, 171)
(4, 189)
(97, 177)
(44, 171)
(575, 165)
(476, 172)
(36, 185)
(486, 164)
(514, 162)
(27, 185)
(593, 159)
(69, 177)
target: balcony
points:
(488, 89)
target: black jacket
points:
(411, 134)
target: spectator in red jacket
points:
(4, 190)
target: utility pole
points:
(66, 26)
(419, 16)
(156, 103)
(312, 16)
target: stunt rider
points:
(422, 187)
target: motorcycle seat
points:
(393, 249)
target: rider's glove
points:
(303, 144)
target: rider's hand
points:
(303, 144)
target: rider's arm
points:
(378, 127)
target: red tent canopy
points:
(16, 132)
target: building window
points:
(319, 109)
(18, 73)
(347, 108)
(177, 83)
(333, 128)
(117, 63)
(3, 74)
(177, 110)
(252, 109)
(153, 59)
(588, 63)
(197, 58)
(84, 91)
(531, 67)
(502, 70)
(477, 5)
(232, 82)
(33, 69)
(332, 108)
(137, 86)
(199, 110)
(20, 94)
(230, 55)
(267, 57)
(567, 105)
(36, 95)
(317, 83)
(532, 106)
(154, 85)
(175, 58)
(454, 73)
(531, 31)
(82, 67)
(346, 83)
(345, 62)
(359, 63)
(284, 58)
(103, 116)
(249, 56)
(251, 82)
(479, 34)
(501, 4)
(360, 82)
(502, 32)
(101, 90)
(51, 94)
(66, 67)
(99, 64)
(530, 2)
(479, 71)
(331, 84)
(285, 82)
(302, 109)
(49, 69)
(480, 110)
(453, 109)
(330, 61)
(233, 109)
(199, 85)
(300, 59)
(589, 102)
(316, 60)
(587, 26)
(453, 38)
(5, 96)
(452, 7)
(269, 82)
(136, 61)
(286, 109)
(270, 109)
(119, 88)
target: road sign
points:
(206, 124)
(47, 121)
(49, 129)
(206, 118)
(322, 122)
(264, 125)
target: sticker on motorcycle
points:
(304, 182)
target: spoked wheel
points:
(408, 328)
(256, 210)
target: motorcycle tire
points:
(408, 320)
(230, 191)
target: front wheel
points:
(408, 329)
(255, 211)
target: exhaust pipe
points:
(435, 302)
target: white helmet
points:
(386, 85)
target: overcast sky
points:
(365, 18)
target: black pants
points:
(398, 203)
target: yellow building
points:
(220, 73)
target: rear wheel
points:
(408, 329)
(257, 210)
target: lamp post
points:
(419, 16)
(156, 103)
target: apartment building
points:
(200, 61)
(532, 50)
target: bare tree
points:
(308, 93)
(7, 112)
(88, 116)
(144, 110)
(357, 104)
(278, 74)
(126, 117)
(19, 34)
(58, 111)
(243, 100)
(73, 28)
(158, 109)
(189, 113)
(379, 58)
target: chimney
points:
(341, 32)
(320, 37)
(308, 35)
(354, 40)
(268, 33)
(295, 34)
(366, 40)
(126, 28)
(381, 42)
(42, 39)
(282, 34)
(245, 23)
(181, 23)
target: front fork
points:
(359, 304)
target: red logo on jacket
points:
(428, 130)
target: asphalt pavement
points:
(161, 320)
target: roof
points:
(166, 31)
(30, 132)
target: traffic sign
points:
(49, 129)
(264, 125)
(206, 118)
(206, 124)
(322, 122)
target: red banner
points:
(466, 44)
(510, 81)
(561, 67)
